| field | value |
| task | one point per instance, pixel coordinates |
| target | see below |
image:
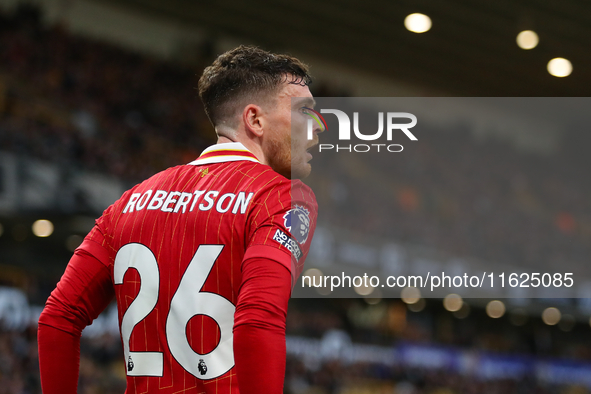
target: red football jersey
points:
(175, 244)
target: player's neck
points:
(253, 148)
(224, 140)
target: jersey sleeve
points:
(83, 292)
(282, 224)
(259, 326)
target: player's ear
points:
(252, 119)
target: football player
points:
(201, 258)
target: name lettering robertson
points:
(181, 202)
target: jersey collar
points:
(219, 153)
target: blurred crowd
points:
(364, 378)
(102, 369)
(101, 364)
(88, 105)
(484, 200)
(360, 378)
(391, 321)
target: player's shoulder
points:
(301, 191)
(275, 189)
(269, 179)
(263, 173)
(157, 181)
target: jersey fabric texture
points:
(200, 259)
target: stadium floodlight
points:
(551, 316)
(375, 297)
(560, 67)
(42, 228)
(410, 295)
(363, 290)
(527, 39)
(417, 23)
(453, 302)
(495, 309)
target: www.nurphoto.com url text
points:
(490, 280)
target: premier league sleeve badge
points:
(297, 221)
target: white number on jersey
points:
(188, 301)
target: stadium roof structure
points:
(470, 50)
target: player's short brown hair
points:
(246, 71)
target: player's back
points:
(177, 241)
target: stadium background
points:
(96, 95)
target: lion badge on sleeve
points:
(297, 221)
